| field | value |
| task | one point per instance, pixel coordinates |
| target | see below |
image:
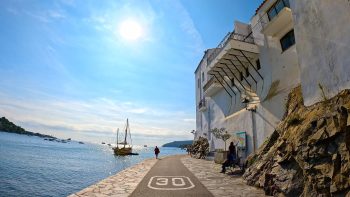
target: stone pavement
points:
(207, 172)
(217, 183)
(121, 184)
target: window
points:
(240, 76)
(287, 40)
(271, 13)
(246, 72)
(258, 66)
(198, 83)
(203, 76)
(277, 7)
(233, 82)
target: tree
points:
(221, 134)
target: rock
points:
(320, 135)
(311, 158)
(200, 148)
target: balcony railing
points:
(201, 104)
(231, 35)
(271, 15)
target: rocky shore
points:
(308, 153)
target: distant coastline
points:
(179, 144)
(9, 127)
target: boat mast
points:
(117, 136)
(126, 131)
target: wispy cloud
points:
(189, 27)
(12, 10)
(190, 120)
(46, 16)
(100, 115)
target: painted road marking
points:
(170, 183)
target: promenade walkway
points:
(172, 176)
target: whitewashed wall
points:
(322, 29)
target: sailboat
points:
(126, 148)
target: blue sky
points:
(67, 71)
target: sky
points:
(79, 68)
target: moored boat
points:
(124, 148)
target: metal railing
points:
(231, 35)
(201, 103)
(264, 20)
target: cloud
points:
(47, 16)
(190, 120)
(189, 27)
(55, 14)
(100, 116)
(12, 11)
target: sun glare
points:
(130, 30)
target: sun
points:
(130, 30)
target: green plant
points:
(221, 134)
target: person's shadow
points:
(236, 172)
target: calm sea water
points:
(31, 166)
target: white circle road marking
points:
(177, 183)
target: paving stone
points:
(124, 183)
(219, 184)
(121, 184)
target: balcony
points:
(234, 65)
(202, 105)
(211, 87)
(276, 26)
(233, 41)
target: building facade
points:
(243, 84)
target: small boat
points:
(81, 142)
(103, 143)
(126, 148)
(145, 145)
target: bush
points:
(200, 148)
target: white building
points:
(243, 83)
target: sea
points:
(32, 166)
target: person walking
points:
(156, 151)
(231, 157)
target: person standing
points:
(156, 151)
(231, 157)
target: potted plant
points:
(221, 156)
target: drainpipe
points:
(253, 129)
(209, 129)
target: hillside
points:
(178, 144)
(309, 152)
(7, 126)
